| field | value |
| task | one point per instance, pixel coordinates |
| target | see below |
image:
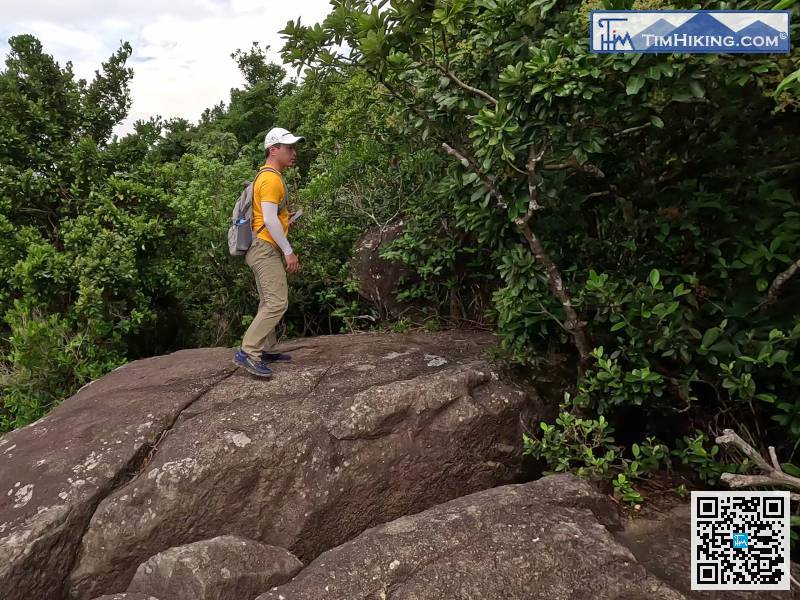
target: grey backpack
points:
(240, 233)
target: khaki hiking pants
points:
(273, 296)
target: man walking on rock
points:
(269, 251)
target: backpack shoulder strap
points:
(260, 171)
(284, 204)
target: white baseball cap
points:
(278, 135)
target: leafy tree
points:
(113, 249)
(639, 207)
(630, 219)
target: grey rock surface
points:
(378, 278)
(356, 431)
(222, 568)
(55, 471)
(126, 596)
(549, 540)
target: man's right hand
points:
(292, 263)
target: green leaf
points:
(655, 277)
(710, 337)
(723, 346)
(656, 121)
(775, 334)
(697, 89)
(790, 469)
(762, 284)
(618, 326)
(680, 96)
(784, 4)
(794, 77)
(679, 290)
(780, 357)
(539, 87)
(635, 83)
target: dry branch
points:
(779, 282)
(773, 473)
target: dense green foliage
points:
(630, 221)
(640, 210)
(115, 249)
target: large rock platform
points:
(356, 431)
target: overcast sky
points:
(181, 48)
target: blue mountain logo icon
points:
(757, 28)
(703, 24)
(660, 28)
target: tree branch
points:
(746, 481)
(632, 129)
(446, 50)
(516, 168)
(573, 325)
(730, 437)
(471, 166)
(773, 473)
(558, 166)
(779, 282)
(461, 84)
(456, 155)
(534, 158)
(572, 163)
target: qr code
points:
(740, 540)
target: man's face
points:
(284, 154)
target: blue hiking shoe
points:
(258, 368)
(267, 357)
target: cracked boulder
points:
(377, 277)
(55, 471)
(222, 568)
(357, 430)
(542, 540)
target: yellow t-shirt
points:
(268, 187)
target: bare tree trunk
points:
(576, 327)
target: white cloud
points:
(181, 48)
(93, 11)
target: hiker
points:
(268, 253)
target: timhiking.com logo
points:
(699, 31)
